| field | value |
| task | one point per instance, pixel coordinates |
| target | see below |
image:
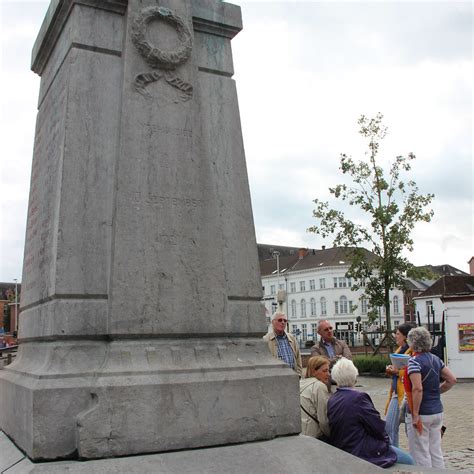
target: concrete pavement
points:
(458, 441)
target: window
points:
(263, 289)
(314, 330)
(363, 305)
(294, 329)
(312, 285)
(293, 287)
(272, 289)
(313, 307)
(304, 332)
(323, 306)
(429, 308)
(293, 308)
(281, 286)
(396, 323)
(396, 309)
(302, 286)
(343, 305)
(303, 308)
(351, 307)
(336, 307)
(342, 282)
(322, 283)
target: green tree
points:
(393, 206)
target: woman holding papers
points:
(397, 391)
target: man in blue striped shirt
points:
(283, 345)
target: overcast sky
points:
(305, 72)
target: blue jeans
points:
(402, 456)
(392, 420)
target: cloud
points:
(305, 71)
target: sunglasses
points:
(281, 320)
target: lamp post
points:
(16, 304)
(276, 254)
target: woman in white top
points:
(314, 397)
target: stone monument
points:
(141, 320)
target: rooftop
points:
(459, 285)
(307, 259)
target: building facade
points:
(317, 287)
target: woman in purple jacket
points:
(355, 424)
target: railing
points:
(374, 341)
(7, 354)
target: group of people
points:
(347, 418)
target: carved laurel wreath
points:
(157, 58)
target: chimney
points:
(323, 247)
(471, 266)
(302, 253)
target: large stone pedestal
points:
(100, 399)
(141, 319)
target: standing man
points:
(283, 345)
(328, 345)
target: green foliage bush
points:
(371, 364)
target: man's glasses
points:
(281, 320)
(327, 329)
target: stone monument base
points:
(289, 454)
(99, 399)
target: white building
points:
(317, 288)
(453, 298)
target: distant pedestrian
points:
(356, 426)
(397, 390)
(425, 417)
(314, 397)
(328, 345)
(283, 345)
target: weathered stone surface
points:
(299, 454)
(127, 397)
(141, 319)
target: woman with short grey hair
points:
(419, 339)
(425, 417)
(345, 373)
(355, 424)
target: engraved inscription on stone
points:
(163, 62)
(38, 265)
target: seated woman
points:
(355, 424)
(314, 397)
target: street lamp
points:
(276, 254)
(16, 304)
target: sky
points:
(305, 72)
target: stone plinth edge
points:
(286, 454)
(300, 454)
(54, 22)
